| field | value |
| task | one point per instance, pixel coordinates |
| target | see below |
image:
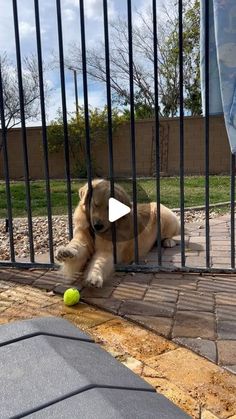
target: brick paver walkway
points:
(199, 387)
(196, 311)
(195, 246)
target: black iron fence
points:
(137, 265)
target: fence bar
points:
(155, 268)
(86, 106)
(157, 131)
(181, 131)
(23, 129)
(44, 129)
(26, 265)
(132, 131)
(76, 93)
(232, 205)
(207, 226)
(64, 113)
(6, 169)
(109, 117)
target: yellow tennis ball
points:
(71, 297)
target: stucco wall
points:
(194, 150)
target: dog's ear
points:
(122, 196)
(83, 194)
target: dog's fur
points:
(89, 255)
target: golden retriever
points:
(89, 255)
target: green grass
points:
(194, 194)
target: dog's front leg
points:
(74, 256)
(72, 249)
(99, 270)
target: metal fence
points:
(137, 265)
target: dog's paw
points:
(169, 243)
(94, 279)
(63, 253)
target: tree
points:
(143, 62)
(77, 135)
(192, 59)
(11, 93)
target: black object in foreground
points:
(50, 369)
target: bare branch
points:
(143, 61)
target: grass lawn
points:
(194, 194)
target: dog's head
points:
(97, 209)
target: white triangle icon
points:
(117, 210)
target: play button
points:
(117, 210)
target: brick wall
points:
(145, 150)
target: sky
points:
(49, 39)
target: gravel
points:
(60, 233)
(40, 235)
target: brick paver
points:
(134, 307)
(226, 352)
(130, 290)
(156, 295)
(226, 312)
(226, 329)
(196, 324)
(161, 325)
(204, 347)
(195, 301)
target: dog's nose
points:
(98, 226)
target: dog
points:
(89, 255)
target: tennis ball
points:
(71, 297)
